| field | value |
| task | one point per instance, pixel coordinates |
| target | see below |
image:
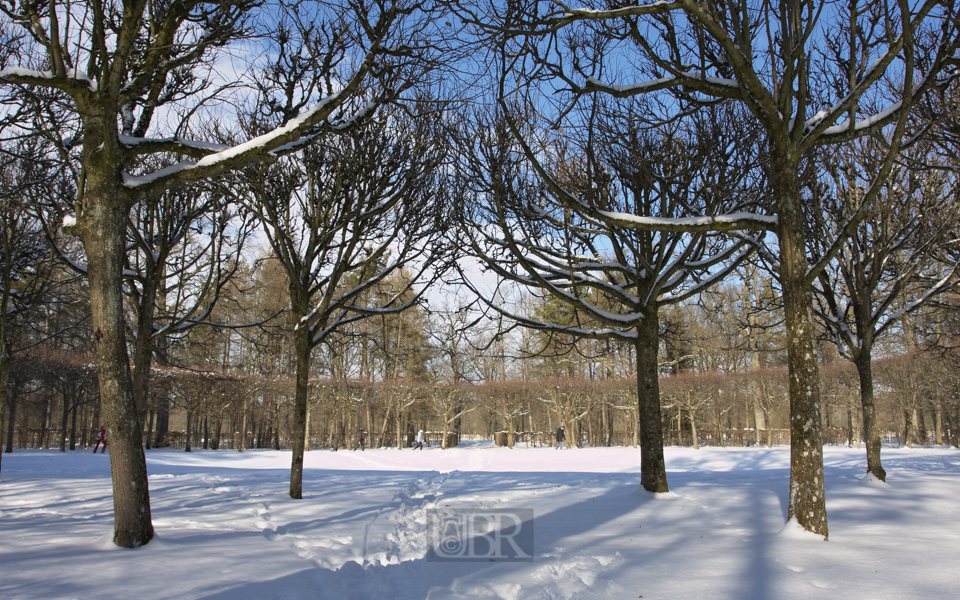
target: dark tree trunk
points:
(186, 443)
(45, 421)
(11, 418)
(871, 429)
(150, 415)
(299, 434)
(5, 402)
(243, 429)
(163, 423)
(807, 503)
(73, 428)
(64, 415)
(217, 430)
(102, 228)
(653, 471)
(143, 347)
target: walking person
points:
(419, 443)
(101, 438)
(560, 437)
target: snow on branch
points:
(572, 15)
(722, 86)
(73, 79)
(879, 118)
(731, 222)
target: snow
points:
(69, 220)
(870, 121)
(34, 74)
(229, 152)
(663, 222)
(662, 82)
(225, 528)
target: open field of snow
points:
(227, 530)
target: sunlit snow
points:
(226, 529)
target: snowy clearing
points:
(226, 530)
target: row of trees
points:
(613, 163)
(55, 405)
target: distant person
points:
(419, 443)
(101, 437)
(360, 442)
(560, 437)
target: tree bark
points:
(5, 364)
(64, 415)
(102, 230)
(187, 447)
(73, 429)
(149, 435)
(693, 430)
(301, 344)
(653, 472)
(871, 428)
(143, 346)
(938, 421)
(807, 503)
(163, 423)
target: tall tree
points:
(873, 61)
(118, 67)
(354, 209)
(559, 228)
(28, 271)
(887, 268)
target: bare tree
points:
(887, 268)
(118, 66)
(564, 228)
(874, 59)
(355, 208)
(27, 267)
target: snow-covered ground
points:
(227, 530)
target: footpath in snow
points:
(227, 530)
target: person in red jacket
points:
(101, 437)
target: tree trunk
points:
(243, 429)
(383, 428)
(149, 436)
(143, 347)
(45, 421)
(871, 427)
(919, 430)
(693, 430)
(938, 421)
(679, 427)
(163, 423)
(186, 444)
(102, 227)
(5, 363)
(807, 502)
(653, 472)
(64, 415)
(306, 436)
(217, 430)
(73, 428)
(398, 421)
(301, 341)
(446, 425)
(908, 428)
